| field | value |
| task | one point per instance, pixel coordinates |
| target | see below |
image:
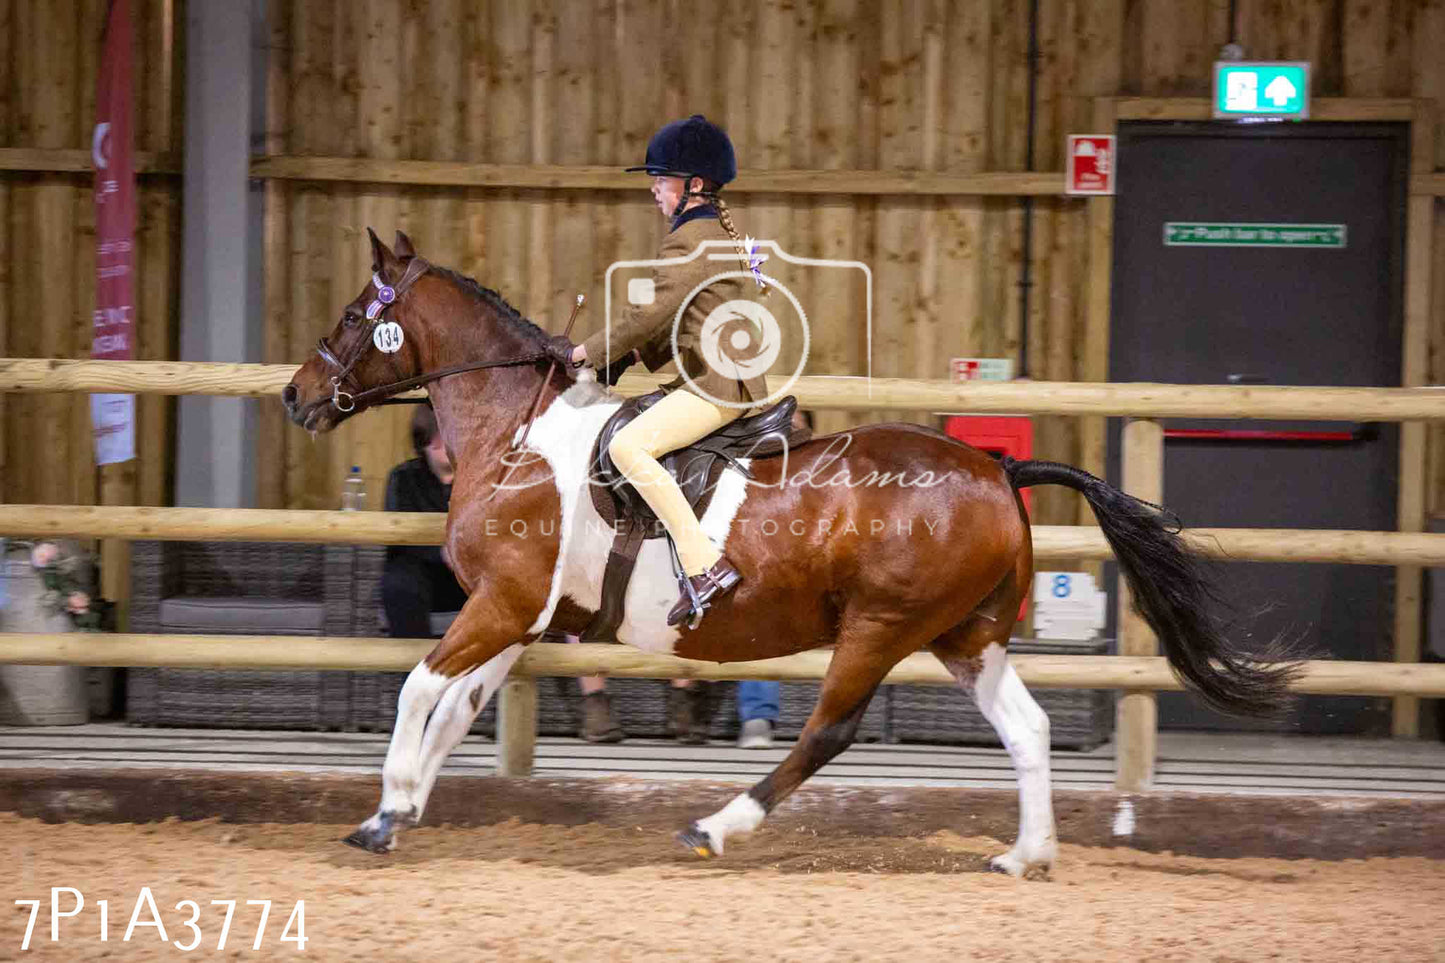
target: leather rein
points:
(386, 296)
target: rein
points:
(386, 296)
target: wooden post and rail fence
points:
(1137, 671)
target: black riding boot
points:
(716, 582)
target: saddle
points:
(696, 468)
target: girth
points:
(697, 469)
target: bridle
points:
(387, 296)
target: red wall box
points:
(1011, 435)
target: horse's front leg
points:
(453, 717)
(447, 680)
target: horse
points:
(890, 539)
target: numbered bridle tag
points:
(388, 337)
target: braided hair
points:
(709, 193)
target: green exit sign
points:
(1201, 234)
(1261, 89)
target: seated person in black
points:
(415, 581)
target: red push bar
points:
(1235, 434)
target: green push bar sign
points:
(1198, 234)
(1274, 90)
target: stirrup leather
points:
(698, 608)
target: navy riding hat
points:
(695, 147)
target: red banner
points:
(113, 416)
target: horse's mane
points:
(509, 315)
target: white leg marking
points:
(1024, 729)
(742, 815)
(401, 774)
(454, 715)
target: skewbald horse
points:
(908, 540)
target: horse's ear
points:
(403, 246)
(381, 256)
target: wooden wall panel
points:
(51, 54)
(928, 85)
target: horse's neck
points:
(563, 434)
(478, 412)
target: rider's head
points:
(690, 161)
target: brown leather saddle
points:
(697, 469)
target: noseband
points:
(386, 297)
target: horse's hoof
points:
(367, 841)
(697, 840)
(1011, 865)
(375, 835)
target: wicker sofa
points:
(241, 588)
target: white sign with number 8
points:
(388, 337)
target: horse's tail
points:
(1171, 592)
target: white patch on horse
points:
(453, 716)
(1024, 729)
(401, 775)
(565, 435)
(654, 589)
(742, 815)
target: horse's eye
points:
(349, 318)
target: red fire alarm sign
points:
(1091, 164)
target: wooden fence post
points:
(516, 726)
(1137, 720)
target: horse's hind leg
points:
(975, 652)
(861, 660)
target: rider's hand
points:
(560, 349)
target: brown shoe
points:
(684, 715)
(716, 582)
(598, 722)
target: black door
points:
(1306, 312)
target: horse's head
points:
(374, 343)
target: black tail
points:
(1173, 595)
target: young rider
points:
(689, 160)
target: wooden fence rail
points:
(1141, 400)
(405, 528)
(1149, 673)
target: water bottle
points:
(353, 493)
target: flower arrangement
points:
(69, 575)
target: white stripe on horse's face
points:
(565, 435)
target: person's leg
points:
(758, 699)
(758, 711)
(685, 712)
(406, 595)
(447, 593)
(677, 420)
(599, 723)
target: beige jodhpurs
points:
(676, 421)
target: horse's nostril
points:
(288, 396)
